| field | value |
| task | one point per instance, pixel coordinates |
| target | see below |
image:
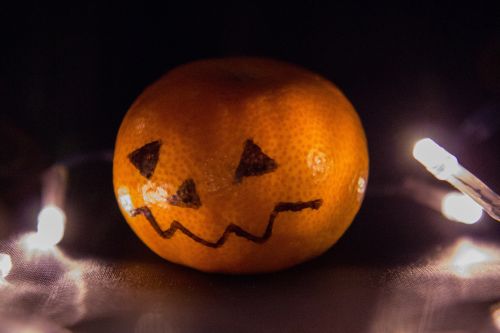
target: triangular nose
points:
(186, 196)
(253, 162)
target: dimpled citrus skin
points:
(203, 113)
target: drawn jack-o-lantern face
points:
(240, 165)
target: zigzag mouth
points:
(231, 228)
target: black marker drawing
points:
(231, 228)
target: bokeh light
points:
(51, 222)
(461, 208)
(467, 259)
(495, 315)
(5, 265)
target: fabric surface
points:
(387, 274)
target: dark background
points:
(68, 74)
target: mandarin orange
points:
(240, 165)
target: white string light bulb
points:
(51, 219)
(437, 160)
(445, 166)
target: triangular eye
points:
(253, 162)
(146, 158)
(186, 196)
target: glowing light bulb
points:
(437, 160)
(459, 207)
(445, 166)
(5, 265)
(51, 220)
